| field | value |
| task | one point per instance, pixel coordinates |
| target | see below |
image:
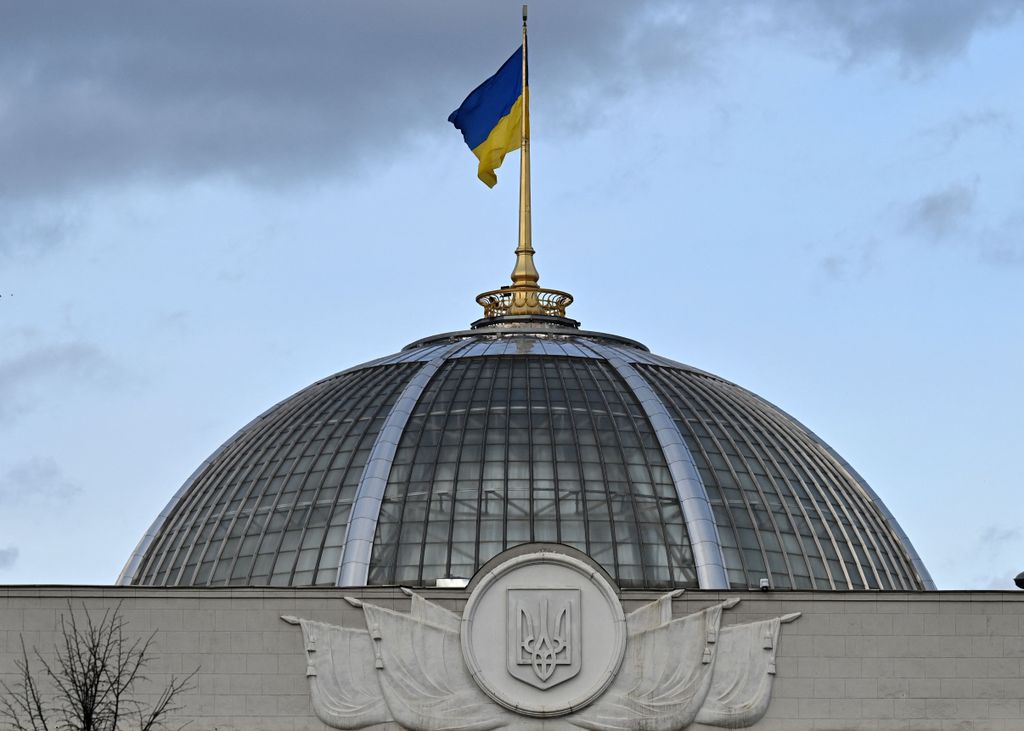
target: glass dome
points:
(423, 465)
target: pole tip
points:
(524, 13)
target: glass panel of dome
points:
(777, 465)
(531, 403)
(548, 429)
(262, 467)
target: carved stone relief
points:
(564, 633)
(542, 642)
(543, 636)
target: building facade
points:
(527, 525)
(853, 660)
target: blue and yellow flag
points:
(490, 118)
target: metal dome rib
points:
(423, 464)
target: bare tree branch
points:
(94, 676)
(22, 706)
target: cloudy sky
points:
(205, 207)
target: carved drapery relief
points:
(412, 668)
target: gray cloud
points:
(39, 478)
(917, 33)
(952, 131)
(275, 93)
(854, 262)
(949, 217)
(995, 538)
(8, 556)
(1002, 244)
(943, 214)
(996, 552)
(68, 364)
(261, 90)
(177, 322)
(32, 228)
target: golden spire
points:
(524, 297)
(525, 273)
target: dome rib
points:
(890, 520)
(853, 529)
(354, 569)
(129, 574)
(424, 464)
(791, 455)
(693, 497)
(762, 460)
(131, 568)
(514, 445)
(254, 467)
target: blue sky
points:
(204, 208)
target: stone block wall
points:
(855, 660)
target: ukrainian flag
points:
(490, 118)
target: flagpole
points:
(524, 298)
(525, 273)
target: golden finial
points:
(524, 297)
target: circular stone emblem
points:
(543, 634)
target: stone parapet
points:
(854, 660)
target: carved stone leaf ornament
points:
(542, 643)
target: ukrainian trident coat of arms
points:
(542, 643)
